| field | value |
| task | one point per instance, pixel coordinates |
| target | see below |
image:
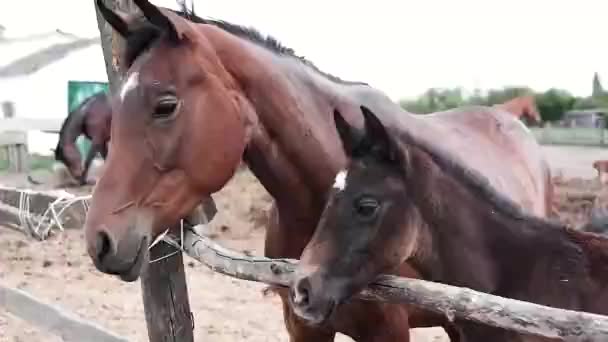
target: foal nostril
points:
(301, 293)
(103, 245)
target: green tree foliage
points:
(584, 103)
(496, 96)
(552, 103)
(597, 91)
(435, 99)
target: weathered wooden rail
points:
(53, 319)
(37, 212)
(454, 302)
(13, 139)
(167, 308)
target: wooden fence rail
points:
(454, 302)
(53, 319)
(172, 308)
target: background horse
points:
(396, 201)
(201, 95)
(93, 119)
(523, 107)
(601, 166)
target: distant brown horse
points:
(601, 166)
(92, 118)
(522, 107)
(201, 95)
(402, 200)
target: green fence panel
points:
(571, 136)
(78, 91)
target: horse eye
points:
(165, 107)
(366, 207)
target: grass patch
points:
(36, 161)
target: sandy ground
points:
(59, 271)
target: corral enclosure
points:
(225, 309)
(59, 271)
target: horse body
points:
(522, 107)
(93, 119)
(201, 96)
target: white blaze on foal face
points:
(131, 83)
(340, 181)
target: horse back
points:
(501, 148)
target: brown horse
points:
(394, 203)
(601, 166)
(522, 107)
(201, 95)
(92, 118)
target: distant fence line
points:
(597, 137)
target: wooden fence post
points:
(165, 294)
(14, 151)
(163, 283)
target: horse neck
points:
(477, 241)
(73, 125)
(292, 148)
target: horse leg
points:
(365, 321)
(281, 242)
(96, 146)
(104, 150)
(298, 330)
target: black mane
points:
(477, 182)
(59, 156)
(147, 34)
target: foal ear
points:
(377, 139)
(116, 19)
(174, 25)
(348, 135)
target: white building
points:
(38, 84)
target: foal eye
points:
(366, 207)
(165, 107)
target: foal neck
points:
(480, 239)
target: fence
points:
(35, 213)
(571, 136)
(13, 140)
(168, 313)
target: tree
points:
(497, 96)
(435, 99)
(553, 103)
(598, 91)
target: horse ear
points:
(116, 19)
(164, 19)
(349, 137)
(376, 137)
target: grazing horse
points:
(601, 166)
(522, 106)
(401, 199)
(93, 119)
(201, 95)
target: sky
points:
(401, 47)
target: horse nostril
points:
(301, 292)
(103, 245)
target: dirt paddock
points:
(59, 271)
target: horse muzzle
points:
(125, 258)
